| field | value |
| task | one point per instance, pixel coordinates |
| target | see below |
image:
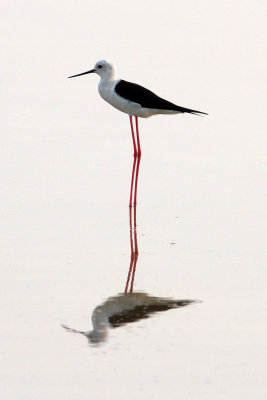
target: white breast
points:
(107, 92)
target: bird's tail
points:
(189, 111)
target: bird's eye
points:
(100, 66)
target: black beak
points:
(83, 73)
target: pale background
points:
(65, 173)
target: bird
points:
(124, 308)
(136, 101)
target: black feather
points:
(147, 99)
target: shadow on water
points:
(129, 306)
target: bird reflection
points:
(123, 309)
(129, 306)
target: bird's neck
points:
(108, 78)
(105, 87)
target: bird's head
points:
(103, 68)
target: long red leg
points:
(134, 163)
(139, 154)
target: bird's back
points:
(147, 99)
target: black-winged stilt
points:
(126, 308)
(133, 100)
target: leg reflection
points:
(134, 250)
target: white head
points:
(102, 68)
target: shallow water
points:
(68, 252)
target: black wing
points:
(143, 312)
(147, 99)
